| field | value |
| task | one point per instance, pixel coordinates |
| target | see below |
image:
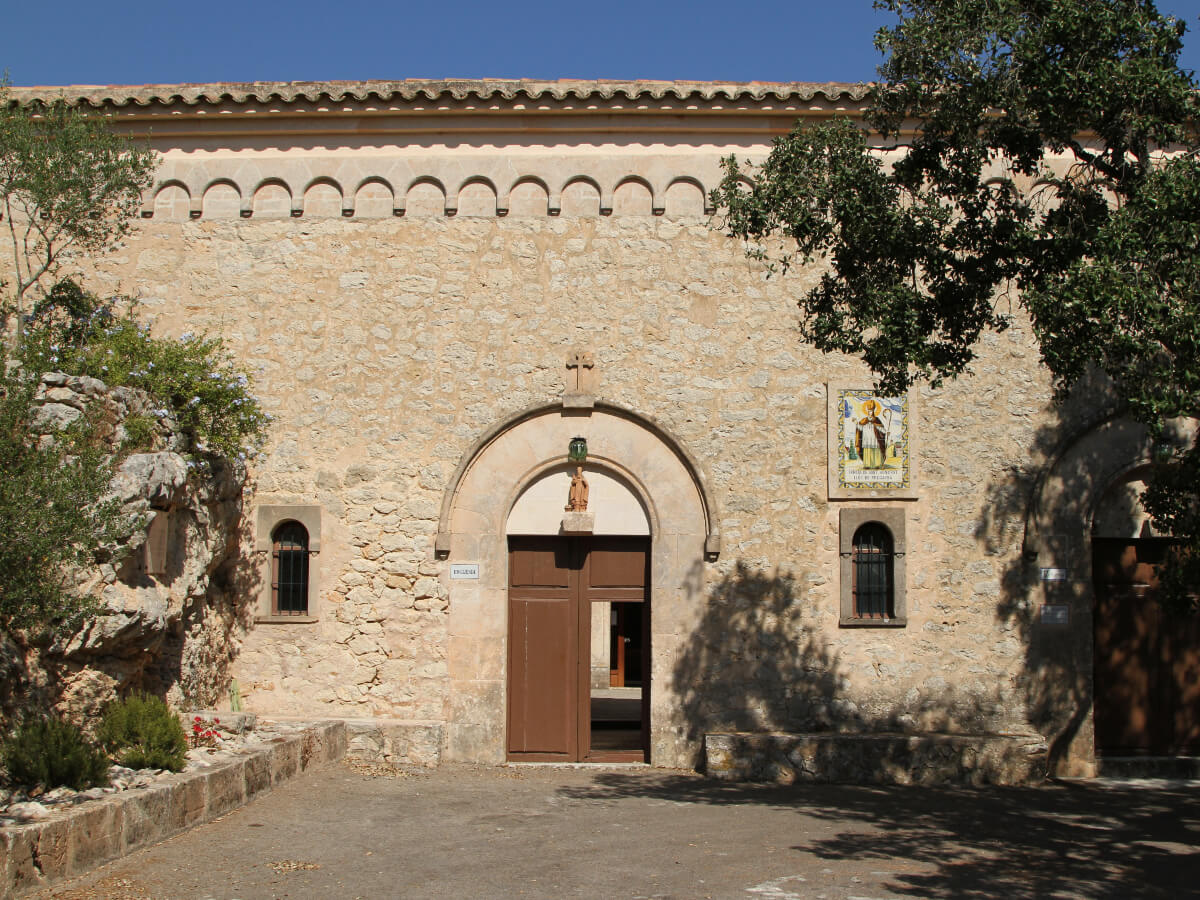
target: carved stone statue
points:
(577, 499)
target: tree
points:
(1049, 161)
(68, 186)
(53, 512)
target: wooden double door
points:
(557, 588)
(1147, 660)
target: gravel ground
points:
(361, 831)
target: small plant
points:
(142, 733)
(139, 433)
(203, 734)
(53, 753)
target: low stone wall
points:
(76, 840)
(396, 742)
(926, 759)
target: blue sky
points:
(122, 42)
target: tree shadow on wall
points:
(1038, 515)
(757, 662)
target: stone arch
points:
(172, 201)
(221, 200)
(529, 196)
(425, 197)
(620, 506)
(272, 198)
(491, 477)
(374, 198)
(1119, 512)
(633, 196)
(323, 197)
(476, 197)
(1071, 487)
(580, 197)
(685, 197)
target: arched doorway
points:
(579, 614)
(1069, 520)
(512, 476)
(1146, 660)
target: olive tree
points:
(69, 186)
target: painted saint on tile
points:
(873, 450)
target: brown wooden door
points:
(553, 582)
(543, 648)
(616, 571)
(1147, 661)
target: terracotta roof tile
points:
(99, 96)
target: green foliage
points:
(53, 753)
(51, 511)
(68, 185)
(139, 433)
(141, 732)
(1033, 174)
(192, 379)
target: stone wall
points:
(384, 348)
(405, 266)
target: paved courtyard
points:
(536, 832)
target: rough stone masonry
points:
(406, 267)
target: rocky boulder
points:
(169, 623)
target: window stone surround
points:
(270, 517)
(893, 518)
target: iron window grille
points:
(289, 570)
(873, 558)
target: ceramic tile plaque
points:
(870, 444)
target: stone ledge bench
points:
(405, 742)
(75, 840)
(925, 759)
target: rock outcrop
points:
(169, 620)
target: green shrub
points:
(53, 753)
(194, 379)
(139, 433)
(54, 512)
(140, 732)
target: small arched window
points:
(874, 572)
(289, 570)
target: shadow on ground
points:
(1059, 840)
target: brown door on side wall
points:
(554, 583)
(1147, 660)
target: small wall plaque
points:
(1054, 574)
(464, 571)
(1056, 614)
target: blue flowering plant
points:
(193, 379)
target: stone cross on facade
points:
(581, 380)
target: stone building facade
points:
(438, 285)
